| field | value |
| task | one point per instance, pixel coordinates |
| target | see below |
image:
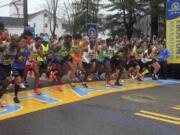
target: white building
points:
(39, 20)
(13, 25)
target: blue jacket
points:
(163, 55)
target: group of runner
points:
(76, 56)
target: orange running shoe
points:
(59, 88)
(37, 92)
(2, 104)
(109, 84)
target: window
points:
(34, 25)
(46, 25)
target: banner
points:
(173, 30)
(91, 31)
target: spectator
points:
(162, 57)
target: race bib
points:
(7, 62)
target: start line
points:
(51, 97)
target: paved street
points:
(148, 111)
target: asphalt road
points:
(112, 114)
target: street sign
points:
(173, 30)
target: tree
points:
(126, 14)
(52, 9)
(157, 11)
(80, 12)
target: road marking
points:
(157, 118)
(177, 107)
(67, 96)
(160, 117)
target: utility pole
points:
(25, 13)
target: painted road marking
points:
(162, 82)
(177, 107)
(159, 117)
(51, 97)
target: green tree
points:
(126, 14)
(81, 12)
(157, 10)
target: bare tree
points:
(70, 9)
(52, 6)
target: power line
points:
(9, 3)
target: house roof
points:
(10, 21)
(19, 22)
(43, 12)
(36, 13)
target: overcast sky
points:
(34, 5)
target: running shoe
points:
(37, 92)
(84, 85)
(132, 76)
(72, 85)
(2, 104)
(59, 88)
(139, 79)
(22, 86)
(16, 100)
(154, 77)
(117, 84)
(109, 84)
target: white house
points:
(39, 20)
(13, 25)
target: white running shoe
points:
(22, 86)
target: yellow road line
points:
(176, 108)
(160, 115)
(157, 118)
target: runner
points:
(134, 62)
(28, 37)
(37, 59)
(19, 65)
(118, 62)
(77, 55)
(45, 49)
(104, 63)
(7, 55)
(64, 59)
